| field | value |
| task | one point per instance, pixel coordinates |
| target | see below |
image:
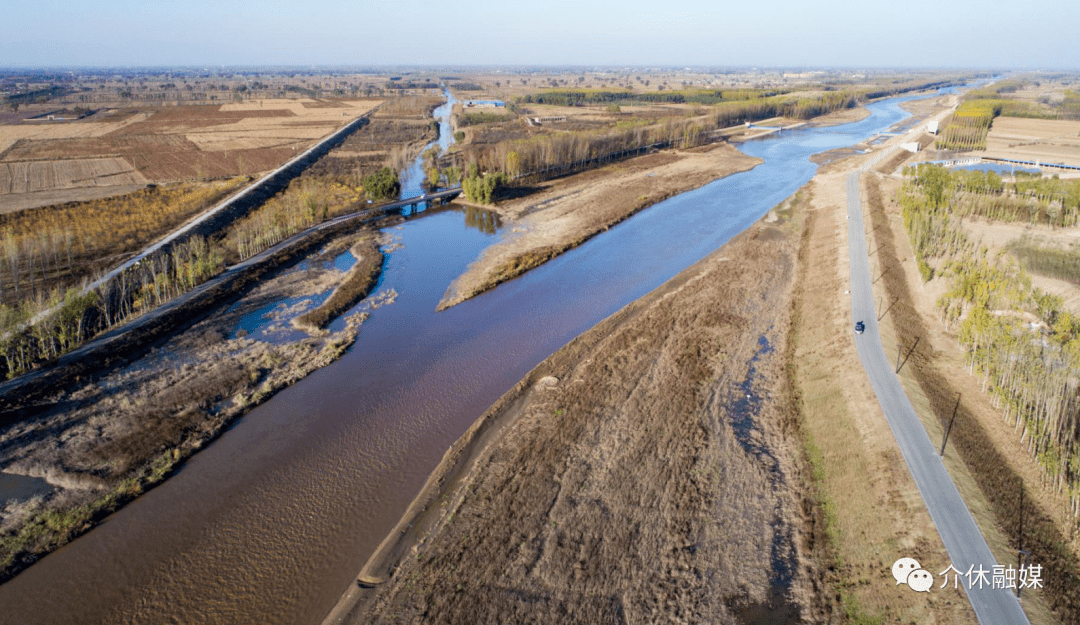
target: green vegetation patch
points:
(591, 97)
(382, 185)
(473, 119)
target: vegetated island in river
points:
(560, 214)
(644, 470)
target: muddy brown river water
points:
(271, 523)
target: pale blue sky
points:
(877, 33)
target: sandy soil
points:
(647, 471)
(561, 214)
(844, 116)
(105, 441)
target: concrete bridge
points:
(417, 197)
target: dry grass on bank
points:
(610, 485)
(105, 441)
(43, 248)
(561, 214)
(355, 286)
(873, 513)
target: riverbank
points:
(558, 215)
(645, 469)
(104, 441)
(869, 507)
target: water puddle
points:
(745, 408)
(21, 488)
(1002, 169)
(271, 321)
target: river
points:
(272, 521)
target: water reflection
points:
(483, 220)
(20, 487)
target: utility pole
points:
(949, 429)
(899, 364)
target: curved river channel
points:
(271, 522)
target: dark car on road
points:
(860, 327)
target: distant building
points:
(547, 119)
(911, 147)
(932, 127)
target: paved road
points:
(957, 528)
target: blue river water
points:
(272, 521)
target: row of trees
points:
(483, 188)
(50, 316)
(307, 201)
(45, 328)
(1021, 340)
(43, 249)
(1031, 199)
(969, 125)
(550, 155)
(582, 97)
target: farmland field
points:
(128, 147)
(1046, 140)
(31, 176)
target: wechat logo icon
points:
(907, 571)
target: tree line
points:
(550, 155)
(1029, 198)
(47, 327)
(42, 249)
(1022, 341)
(584, 97)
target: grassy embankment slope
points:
(869, 506)
(538, 472)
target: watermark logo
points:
(907, 571)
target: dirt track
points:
(629, 477)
